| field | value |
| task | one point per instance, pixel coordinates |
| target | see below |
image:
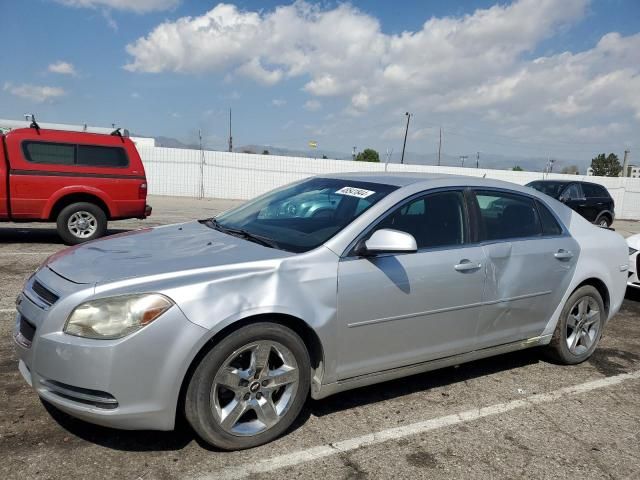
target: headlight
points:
(632, 251)
(116, 317)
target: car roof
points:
(404, 179)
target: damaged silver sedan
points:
(325, 285)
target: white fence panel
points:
(212, 174)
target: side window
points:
(506, 215)
(435, 220)
(591, 190)
(603, 192)
(572, 192)
(550, 225)
(95, 156)
(49, 153)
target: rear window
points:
(507, 215)
(51, 153)
(593, 190)
(94, 156)
(550, 225)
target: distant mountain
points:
(487, 160)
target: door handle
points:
(466, 266)
(563, 254)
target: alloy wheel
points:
(583, 325)
(254, 388)
(82, 224)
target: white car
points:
(634, 246)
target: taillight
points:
(142, 191)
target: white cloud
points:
(63, 68)
(138, 6)
(278, 102)
(312, 105)
(476, 66)
(35, 93)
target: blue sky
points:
(524, 78)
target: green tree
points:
(571, 170)
(608, 166)
(368, 155)
(518, 168)
(324, 157)
(265, 152)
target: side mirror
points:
(388, 241)
(563, 199)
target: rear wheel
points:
(579, 328)
(249, 388)
(604, 221)
(81, 222)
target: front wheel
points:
(81, 222)
(579, 327)
(249, 388)
(604, 221)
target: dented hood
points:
(154, 251)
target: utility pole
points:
(478, 160)
(230, 137)
(463, 158)
(625, 164)
(439, 146)
(406, 130)
(353, 155)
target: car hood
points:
(152, 251)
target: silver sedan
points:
(234, 321)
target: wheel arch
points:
(602, 290)
(76, 197)
(298, 325)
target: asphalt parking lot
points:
(511, 416)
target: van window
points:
(49, 153)
(96, 156)
(592, 190)
(507, 215)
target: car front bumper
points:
(129, 383)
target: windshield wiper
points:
(238, 232)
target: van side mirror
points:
(387, 240)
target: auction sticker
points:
(355, 192)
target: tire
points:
(573, 317)
(81, 222)
(233, 402)
(603, 221)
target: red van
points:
(79, 180)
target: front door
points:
(396, 310)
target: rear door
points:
(530, 262)
(573, 197)
(4, 179)
(598, 200)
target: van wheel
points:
(81, 222)
(579, 327)
(249, 388)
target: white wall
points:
(212, 174)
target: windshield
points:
(302, 216)
(553, 189)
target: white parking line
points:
(323, 451)
(26, 253)
(7, 310)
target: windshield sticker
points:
(355, 192)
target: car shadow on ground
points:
(38, 235)
(183, 435)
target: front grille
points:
(44, 293)
(27, 329)
(95, 398)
